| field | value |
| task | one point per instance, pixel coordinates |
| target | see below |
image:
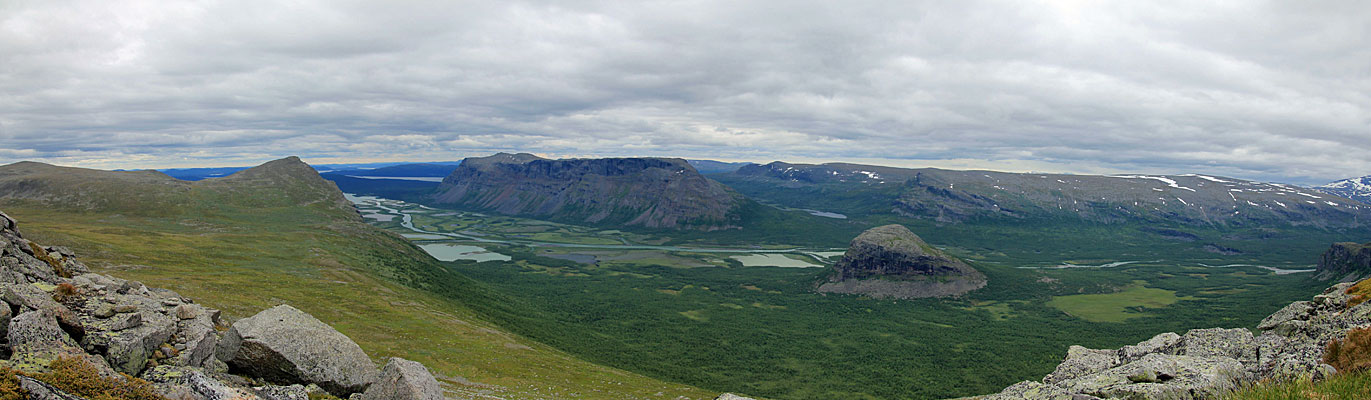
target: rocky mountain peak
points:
(289, 167)
(891, 261)
(1353, 188)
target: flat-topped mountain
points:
(959, 196)
(647, 192)
(891, 261)
(1346, 261)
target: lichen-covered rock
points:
(30, 297)
(1335, 297)
(287, 346)
(1238, 344)
(292, 392)
(37, 332)
(126, 339)
(402, 379)
(1081, 361)
(1158, 375)
(1165, 343)
(1029, 390)
(196, 337)
(731, 396)
(36, 340)
(1297, 311)
(189, 383)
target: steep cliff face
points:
(1346, 262)
(891, 261)
(647, 192)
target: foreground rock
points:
(52, 308)
(403, 379)
(285, 345)
(1205, 362)
(890, 261)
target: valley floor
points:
(744, 317)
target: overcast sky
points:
(1275, 91)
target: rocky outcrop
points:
(1346, 262)
(1205, 362)
(52, 308)
(664, 193)
(403, 379)
(284, 345)
(891, 261)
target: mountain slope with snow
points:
(1353, 188)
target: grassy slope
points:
(242, 258)
(1348, 386)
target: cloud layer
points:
(1265, 90)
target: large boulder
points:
(128, 329)
(1163, 376)
(1237, 343)
(286, 346)
(36, 340)
(1081, 361)
(1165, 343)
(403, 379)
(36, 333)
(189, 383)
(890, 261)
(30, 297)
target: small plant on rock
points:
(64, 291)
(1351, 354)
(1359, 292)
(76, 376)
(9, 386)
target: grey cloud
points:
(1265, 90)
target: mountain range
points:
(958, 196)
(1352, 188)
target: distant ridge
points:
(284, 182)
(959, 196)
